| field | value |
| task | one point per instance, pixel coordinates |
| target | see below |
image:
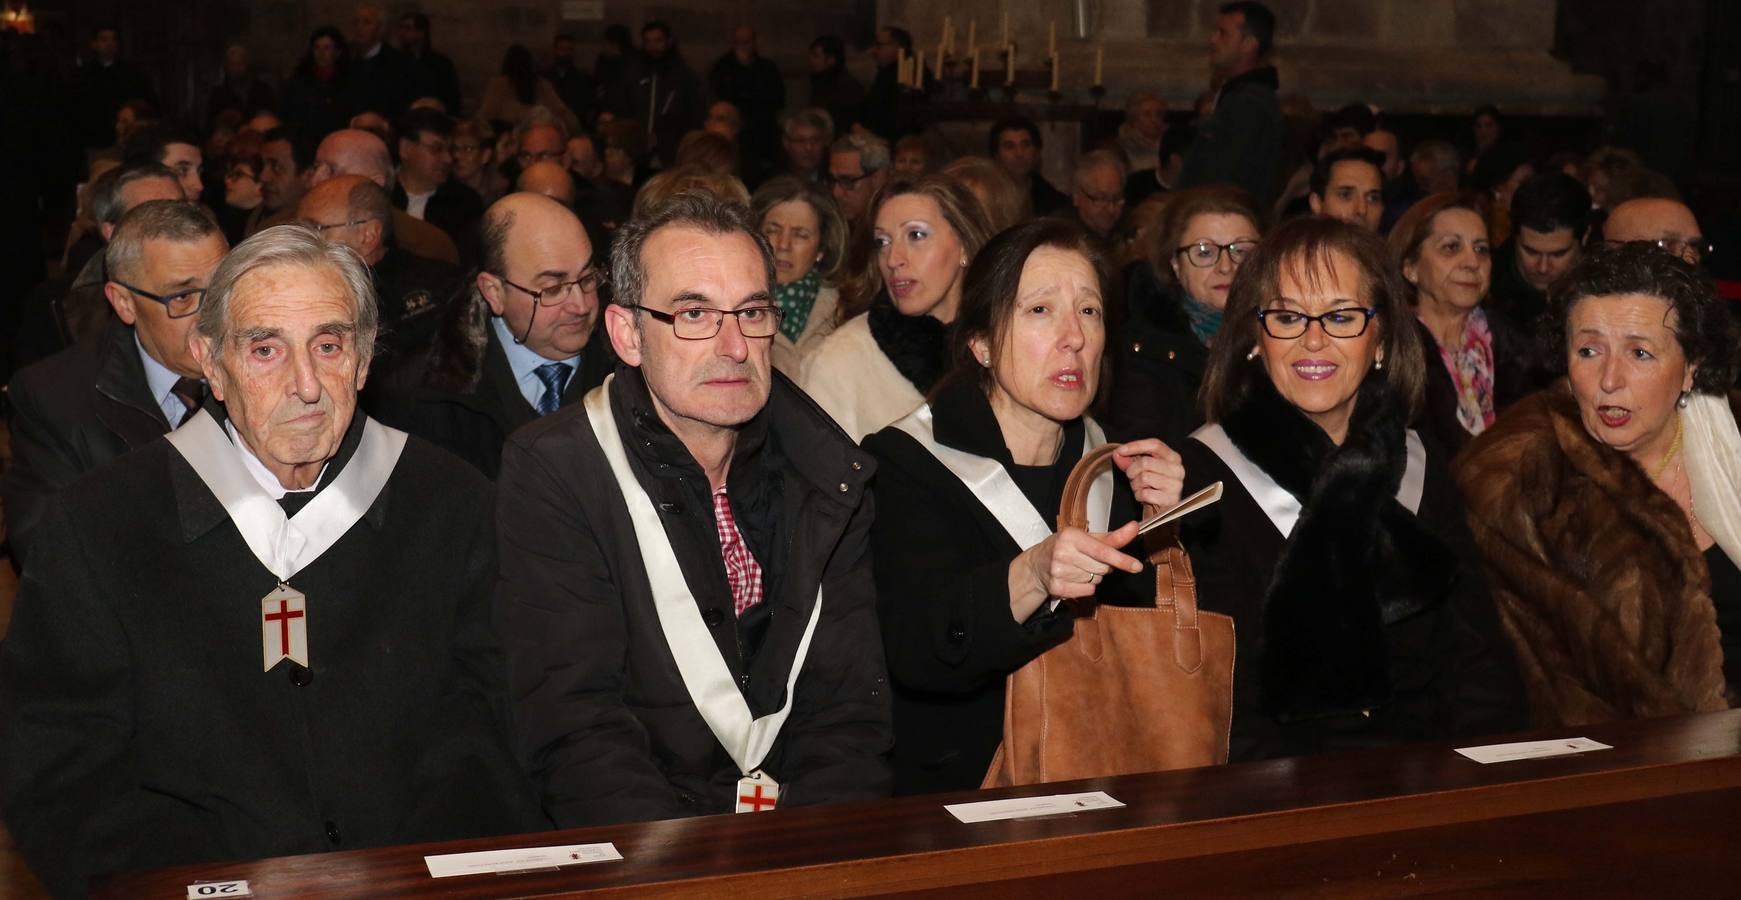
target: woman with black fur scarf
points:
(1339, 546)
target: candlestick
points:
(1052, 37)
(973, 81)
(1009, 71)
(1054, 73)
(1099, 63)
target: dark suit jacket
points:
(473, 424)
(605, 725)
(141, 731)
(455, 209)
(71, 413)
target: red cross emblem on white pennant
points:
(283, 627)
(757, 792)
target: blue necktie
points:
(554, 377)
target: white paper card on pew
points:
(203, 890)
(1493, 753)
(518, 860)
(1028, 807)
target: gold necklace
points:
(1673, 448)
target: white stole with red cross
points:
(287, 544)
(991, 484)
(705, 675)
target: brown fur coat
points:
(1595, 571)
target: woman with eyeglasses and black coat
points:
(1339, 546)
(1173, 307)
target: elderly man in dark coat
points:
(265, 635)
(685, 584)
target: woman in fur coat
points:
(1608, 508)
(1339, 545)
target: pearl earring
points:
(1379, 364)
(1252, 355)
(1685, 398)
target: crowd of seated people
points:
(620, 444)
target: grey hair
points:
(1099, 159)
(702, 210)
(169, 220)
(536, 116)
(288, 246)
(815, 118)
(873, 151)
(106, 203)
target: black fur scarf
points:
(1356, 560)
(917, 345)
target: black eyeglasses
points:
(850, 181)
(556, 294)
(1286, 324)
(699, 323)
(1205, 254)
(1694, 250)
(179, 305)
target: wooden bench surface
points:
(1663, 806)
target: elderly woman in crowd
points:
(1339, 546)
(1609, 507)
(967, 489)
(879, 365)
(1477, 365)
(1174, 301)
(808, 236)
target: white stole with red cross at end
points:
(287, 544)
(705, 675)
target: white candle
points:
(1052, 37)
(919, 68)
(1054, 73)
(1099, 64)
(901, 66)
(974, 55)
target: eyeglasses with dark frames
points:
(1205, 254)
(178, 305)
(1287, 324)
(700, 323)
(850, 181)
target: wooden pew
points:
(1659, 814)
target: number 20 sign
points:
(217, 889)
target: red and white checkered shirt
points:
(742, 571)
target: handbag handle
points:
(1175, 583)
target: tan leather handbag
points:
(1134, 689)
